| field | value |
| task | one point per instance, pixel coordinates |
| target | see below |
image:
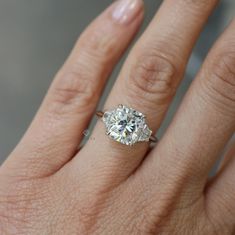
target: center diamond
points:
(126, 125)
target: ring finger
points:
(148, 82)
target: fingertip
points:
(126, 11)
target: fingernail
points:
(126, 10)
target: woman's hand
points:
(48, 187)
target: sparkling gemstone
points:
(126, 125)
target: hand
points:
(47, 186)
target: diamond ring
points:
(126, 125)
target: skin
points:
(47, 186)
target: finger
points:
(202, 126)
(148, 81)
(57, 130)
(227, 154)
(220, 191)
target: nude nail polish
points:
(126, 10)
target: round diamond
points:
(126, 125)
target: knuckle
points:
(221, 79)
(72, 91)
(98, 44)
(153, 77)
(224, 67)
(18, 207)
(87, 214)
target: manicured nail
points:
(126, 10)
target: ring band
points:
(126, 125)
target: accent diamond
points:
(126, 125)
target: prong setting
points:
(126, 125)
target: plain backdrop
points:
(35, 39)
